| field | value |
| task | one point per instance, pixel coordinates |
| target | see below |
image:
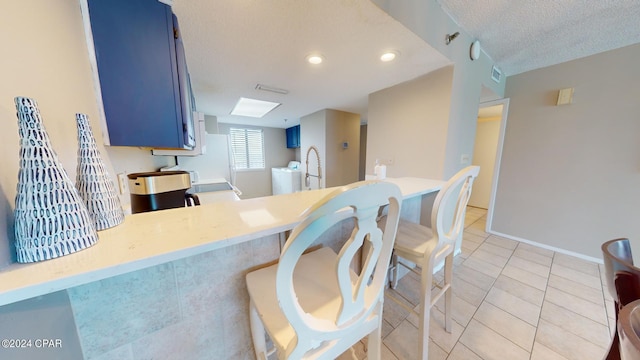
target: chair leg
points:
(448, 295)
(374, 341)
(257, 333)
(394, 267)
(614, 348)
(425, 313)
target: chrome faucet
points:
(307, 176)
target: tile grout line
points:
(485, 296)
(606, 309)
(492, 286)
(544, 296)
(473, 229)
(474, 313)
(564, 308)
(604, 303)
(484, 299)
(544, 293)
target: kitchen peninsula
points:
(163, 273)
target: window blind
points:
(248, 148)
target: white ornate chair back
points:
(359, 309)
(449, 209)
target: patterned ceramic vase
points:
(51, 219)
(93, 181)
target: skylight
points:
(253, 108)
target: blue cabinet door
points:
(289, 137)
(136, 58)
(296, 136)
(293, 137)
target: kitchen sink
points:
(214, 192)
(200, 188)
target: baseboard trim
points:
(548, 247)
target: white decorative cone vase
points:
(51, 219)
(93, 181)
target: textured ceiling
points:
(232, 45)
(522, 35)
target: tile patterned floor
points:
(511, 301)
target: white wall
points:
(313, 133)
(362, 162)
(342, 163)
(570, 175)
(326, 130)
(427, 20)
(408, 124)
(211, 124)
(256, 183)
(41, 317)
(46, 58)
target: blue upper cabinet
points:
(293, 137)
(139, 74)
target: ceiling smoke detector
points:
(272, 89)
(474, 50)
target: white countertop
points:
(153, 238)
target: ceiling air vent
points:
(271, 89)
(496, 74)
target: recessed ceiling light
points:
(253, 108)
(314, 59)
(388, 56)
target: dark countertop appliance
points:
(151, 191)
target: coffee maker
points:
(152, 191)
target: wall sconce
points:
(565, 96)
(450, 37)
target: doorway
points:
(484, 153)
(492, 119)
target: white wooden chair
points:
(315, 306)
(428, 248)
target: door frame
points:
(496, 167)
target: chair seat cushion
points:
(316, 286)
(411, 240)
